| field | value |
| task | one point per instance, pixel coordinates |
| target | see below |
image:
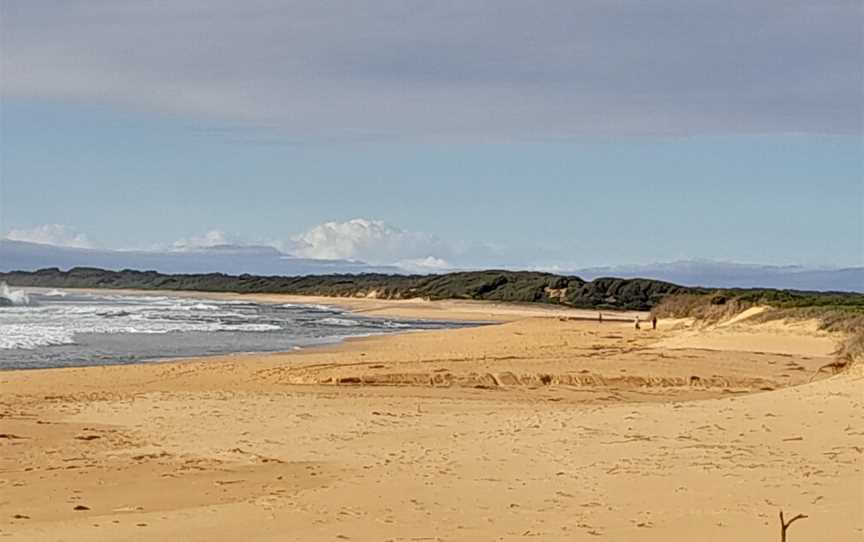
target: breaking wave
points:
(26, 337)
(347, 322)
(9, 297)
(323, 308)
(43, 322)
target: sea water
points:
(65, 328)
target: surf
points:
(12, 298)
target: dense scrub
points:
(835, 312)
(510, 286)
(717, 304)
(665, 299)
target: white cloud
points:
(364, 240)
(371, 241)
(50, 234)
(430, 264)
(211, 238)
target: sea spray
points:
(9, 297)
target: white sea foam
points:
(28, 336)
(58, 321)
(196, 307)
(327, 308)
(338, 322)
(249, 327)
(74, 319)
(12, 297)
(345, 322)
(24, 336)
(394, 325)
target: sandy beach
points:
(547, 425)
(389, 271)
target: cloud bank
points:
(50, 234)
(508, 69)
(372, 241)
(326, 248)
(361, 240)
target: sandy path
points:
(237, 448)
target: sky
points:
(555, 135)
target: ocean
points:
(70, 329)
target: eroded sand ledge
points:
(544, 426)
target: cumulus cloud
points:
(371, 241)
(50, 234)
(507, 69)
(361, 240)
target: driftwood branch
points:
(784, 525)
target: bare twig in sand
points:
(835, 366)
(784, 525)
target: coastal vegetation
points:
(841, 312)
(503, 286)
(837, 309)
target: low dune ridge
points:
(548, 425)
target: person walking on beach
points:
(653, 322)
(600, 317)
(636, 323)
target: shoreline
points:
(454, 310)
(457, 312)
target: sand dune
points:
(542, 427)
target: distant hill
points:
(714, 274)
(259, 260)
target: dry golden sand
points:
(540, 428)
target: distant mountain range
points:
(716, 274)
(229, 259)
(266, 260)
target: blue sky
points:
(522, 144)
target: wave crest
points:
(12, 298)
